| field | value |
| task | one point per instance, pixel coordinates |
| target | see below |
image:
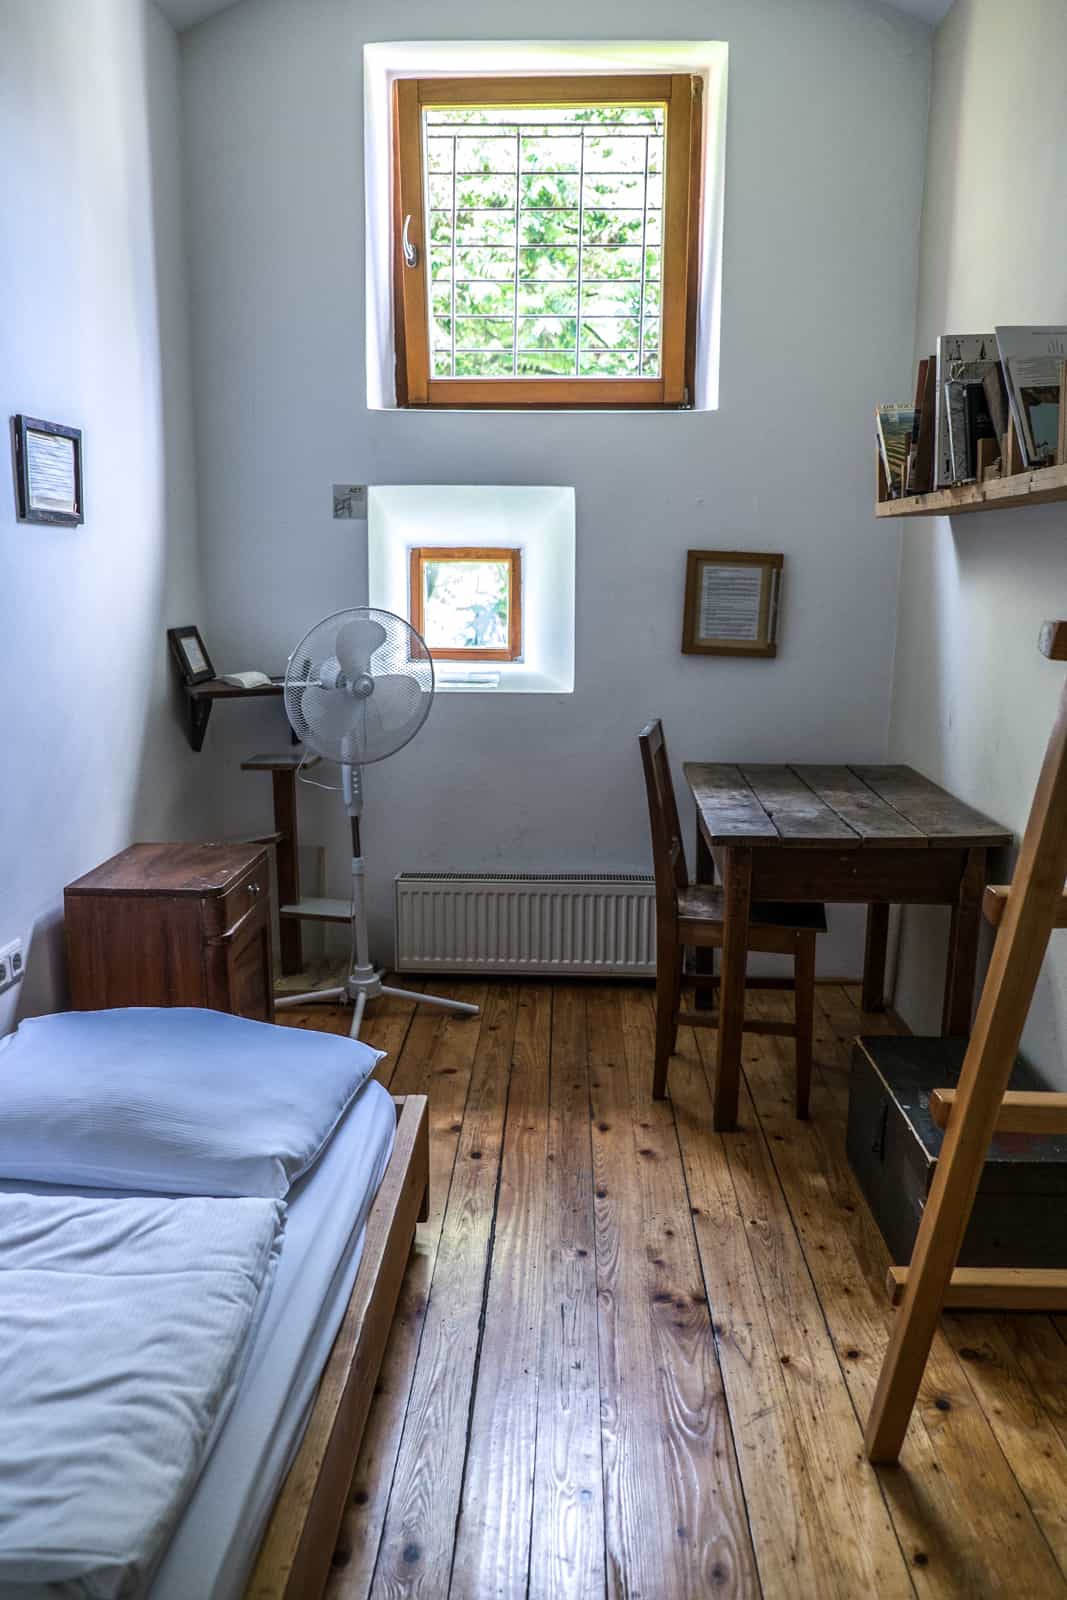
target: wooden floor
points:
(633, 1358)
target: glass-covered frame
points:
(573, 297)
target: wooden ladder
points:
(1026, 913)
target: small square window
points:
(467, 603)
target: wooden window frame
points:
(423, 553)
(680, 94)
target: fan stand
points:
(364, 981)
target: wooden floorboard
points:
(493, 1534)
(632, 1358)
(436, 1059)
(567, 1531)
(418, 1540)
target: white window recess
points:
(384, 63)
(538, 520)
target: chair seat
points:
(702, 902)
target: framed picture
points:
(731, 603)
(190, 654)
(48, 472)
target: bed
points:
(263, 1515)
(296, 1550)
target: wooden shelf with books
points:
(1039, 486)
(987, 430)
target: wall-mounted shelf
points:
(1041, 486)
(202, 696)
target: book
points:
(960, 357)
(997, 399)
(894, 427)
(922, 476)
(920, 393)
(1032, 362)
(956, 421)
(913, 448)
(979, 423)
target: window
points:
(547, 240)
(467, 604)
(534, 525)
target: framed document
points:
(731, 603)
(48, 472)
(190, 655)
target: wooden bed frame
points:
(294, 1557)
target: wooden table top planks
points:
(836, 807)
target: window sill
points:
(516, 681)
(545, 411)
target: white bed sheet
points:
(212, 1551)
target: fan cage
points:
(383, 651)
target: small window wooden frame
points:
(512, 557)
(680, 94)
(697, 638)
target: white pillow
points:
(172, 1100)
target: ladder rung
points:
(1021, 1110)
(995, 900)
(995, 1288)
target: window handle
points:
(411, 251)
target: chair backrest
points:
(668, 851)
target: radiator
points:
(566, 923)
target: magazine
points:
(895, 425)
(961, 358)
(1033, 359)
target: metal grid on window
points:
(544, 228)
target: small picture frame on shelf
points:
(190, 655)
(732, 601)
(48, 472)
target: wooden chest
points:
(893, 1145)
(173, 925)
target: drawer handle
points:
(253, 888)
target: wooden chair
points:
(690, 915)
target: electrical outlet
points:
(11, 964)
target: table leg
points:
(289, 941)
(737, 903)
(704, 999)
(874, 956)
(963, 947)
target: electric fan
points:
(358, 687)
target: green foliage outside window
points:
(545, 243)
(465, 604)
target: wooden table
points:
(878, 835)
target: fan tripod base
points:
(367, 985)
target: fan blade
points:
(356, 644)
(330, 714)
(396, 700)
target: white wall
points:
(827, 111)
(973, 701)
(94, 333)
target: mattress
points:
(211, 1553)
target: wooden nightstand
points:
(173, 925)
